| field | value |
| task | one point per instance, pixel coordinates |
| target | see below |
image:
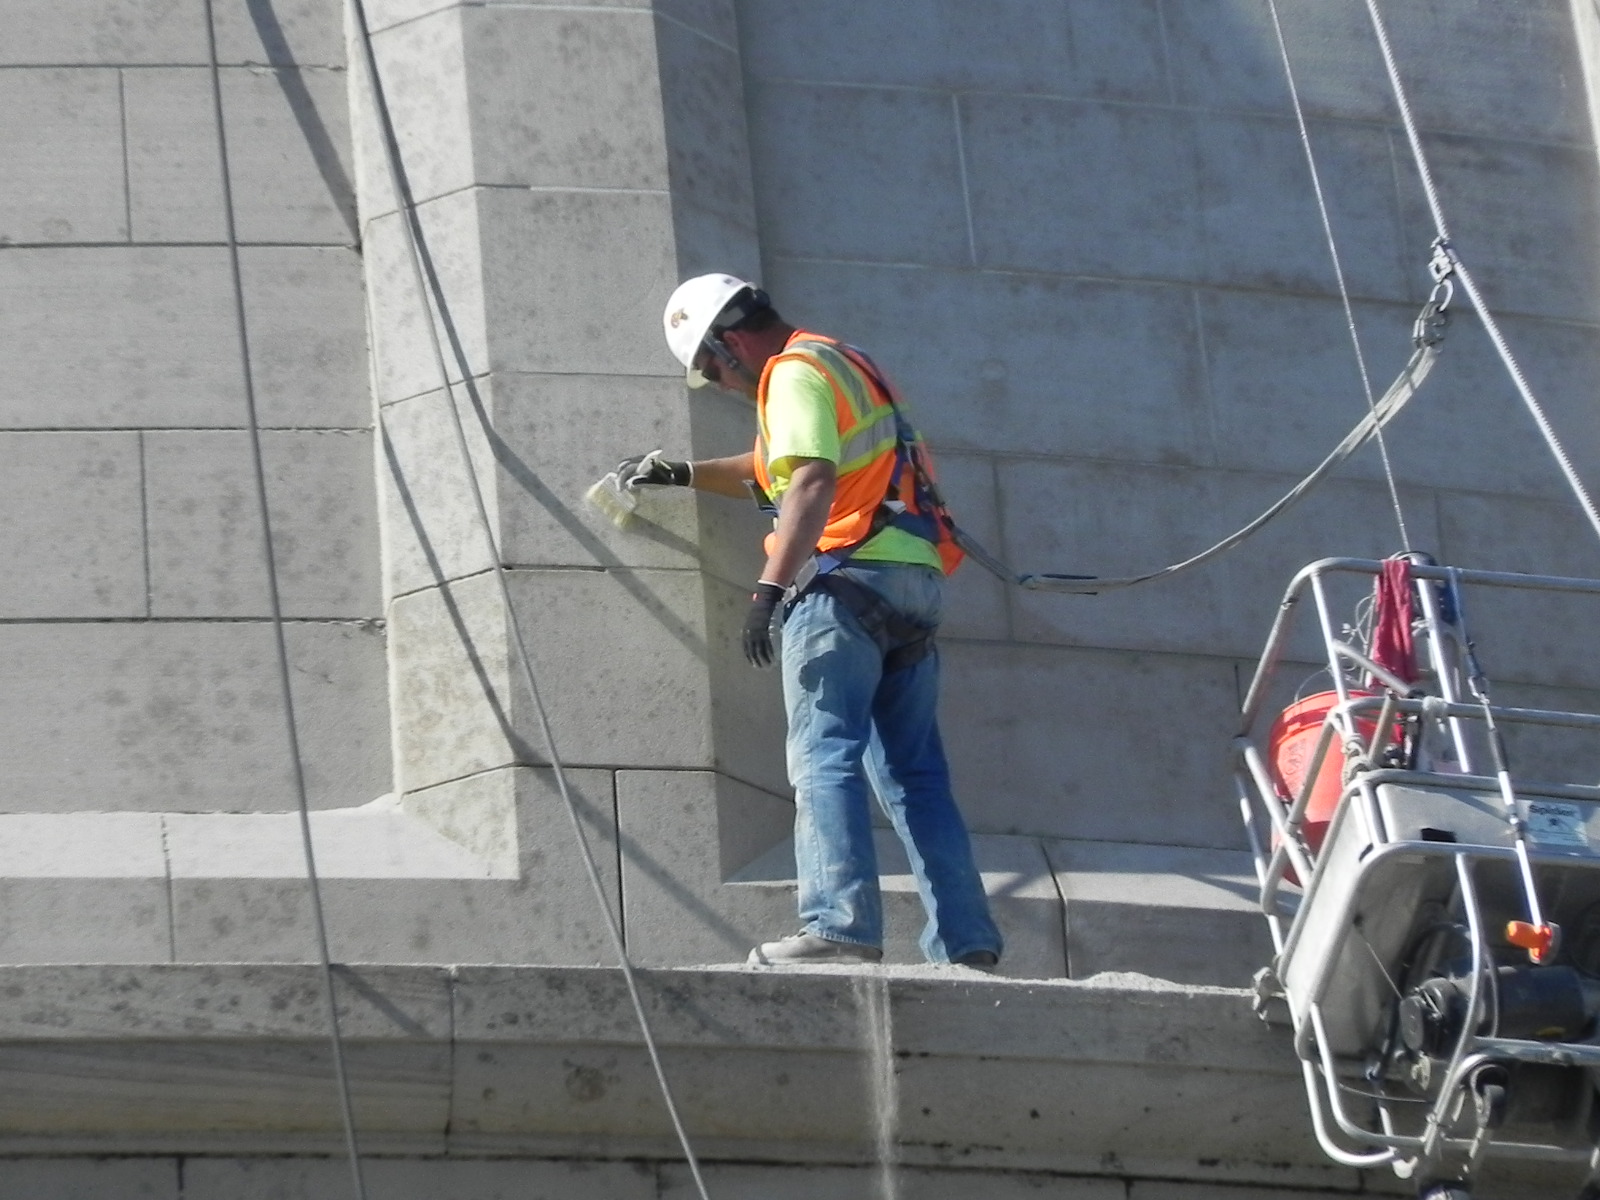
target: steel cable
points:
(1468, 284)
(430, 293)
(341, 1074)
(1338, 269)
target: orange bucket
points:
(1291, 744)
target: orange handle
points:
(1537, 940)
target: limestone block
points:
(1519, 206)
(451, 664)
(85, 920)
(746, 704)
(551, 914)
(1465, 423)
(1102, 48)
(174, 165)
(386, 14)
(828, 184)
(1548, 639)
(73, 535)
(224, 1002)
(1091, 744)
(82, 845)
(308, 33)
(704, 112)
(187, 716)
(1084, 188)
(432, 530)
(1458, 64)
(377, 840)
(417, 1179)
(713, 20)
(682, 834)
(556, 435)
(206, 545)
(975, 601)
(289, 155)
(1029, 365)
(748, 1182)
(62, 145)
(404, 363)
(252, 1092)
(1174, 913)
(1260, 219)
(564, 98)
(94, 1178)
(423, 74)
(604, 263)
(306, 318)
(624, 661)
(1143, 518)
(142, 336)
(60, 32)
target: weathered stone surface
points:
(62, 145)
(421, 69)
(142, 336)
(564, 98)
(1057, 741)
(302, 32)
(1108, 48)
(71, 32)
(289, 155)
(73, 535)
(828, 185)
(207, 548)
(188, 716)
(1175, 913)
(174, 163)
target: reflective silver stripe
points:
(857, 392)
(867, 444)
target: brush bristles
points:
(615, 501)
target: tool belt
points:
(903, 642)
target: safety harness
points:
(904, 643)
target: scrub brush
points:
(616, 499)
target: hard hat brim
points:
(693, 377)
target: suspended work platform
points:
(1433, 896)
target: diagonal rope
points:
(1469, 285)
(431, 294)
(341, 1075)
(1338, 271)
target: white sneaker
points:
(808, 947)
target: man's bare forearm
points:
(725, 476)
(806, 504)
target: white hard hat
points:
(692, 310)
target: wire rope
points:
(1468, 284)
(431, 295)
(341, 1073)
(1338, 269)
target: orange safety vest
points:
(869, 450)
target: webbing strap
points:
(1386, 409)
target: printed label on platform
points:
(1554, 824)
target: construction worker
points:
(855, 575)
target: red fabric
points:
(1392, 647)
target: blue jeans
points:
(851, 723)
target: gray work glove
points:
(651, 470)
